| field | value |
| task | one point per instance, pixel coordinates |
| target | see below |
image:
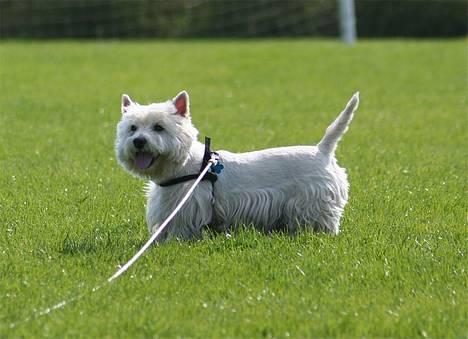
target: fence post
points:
(347, 21)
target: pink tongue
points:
(144, 160)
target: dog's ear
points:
(126, 103)
(182, 103)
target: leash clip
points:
(212, 157)
(217, 166)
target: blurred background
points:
(230, 18)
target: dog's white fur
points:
(277, 188)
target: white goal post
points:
(347, 21)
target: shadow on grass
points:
(113, 241)
(120, 240)
(248, 238)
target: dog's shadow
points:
(118, 241)
(100, 241)
(248, 238)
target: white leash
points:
(165, 223)
(212, 162)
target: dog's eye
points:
(133, 128)
(158, 128)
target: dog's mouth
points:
(144, 160)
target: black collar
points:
(208, 176)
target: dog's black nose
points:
(139, 142)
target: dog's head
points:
(152, 139)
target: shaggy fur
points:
(277, 188)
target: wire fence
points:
(225, 18)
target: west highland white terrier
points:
(274, 189)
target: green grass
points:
(69, 215)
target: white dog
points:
(278, 188)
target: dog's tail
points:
(334, 132)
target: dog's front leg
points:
(186, 225)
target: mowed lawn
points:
(69, 215)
